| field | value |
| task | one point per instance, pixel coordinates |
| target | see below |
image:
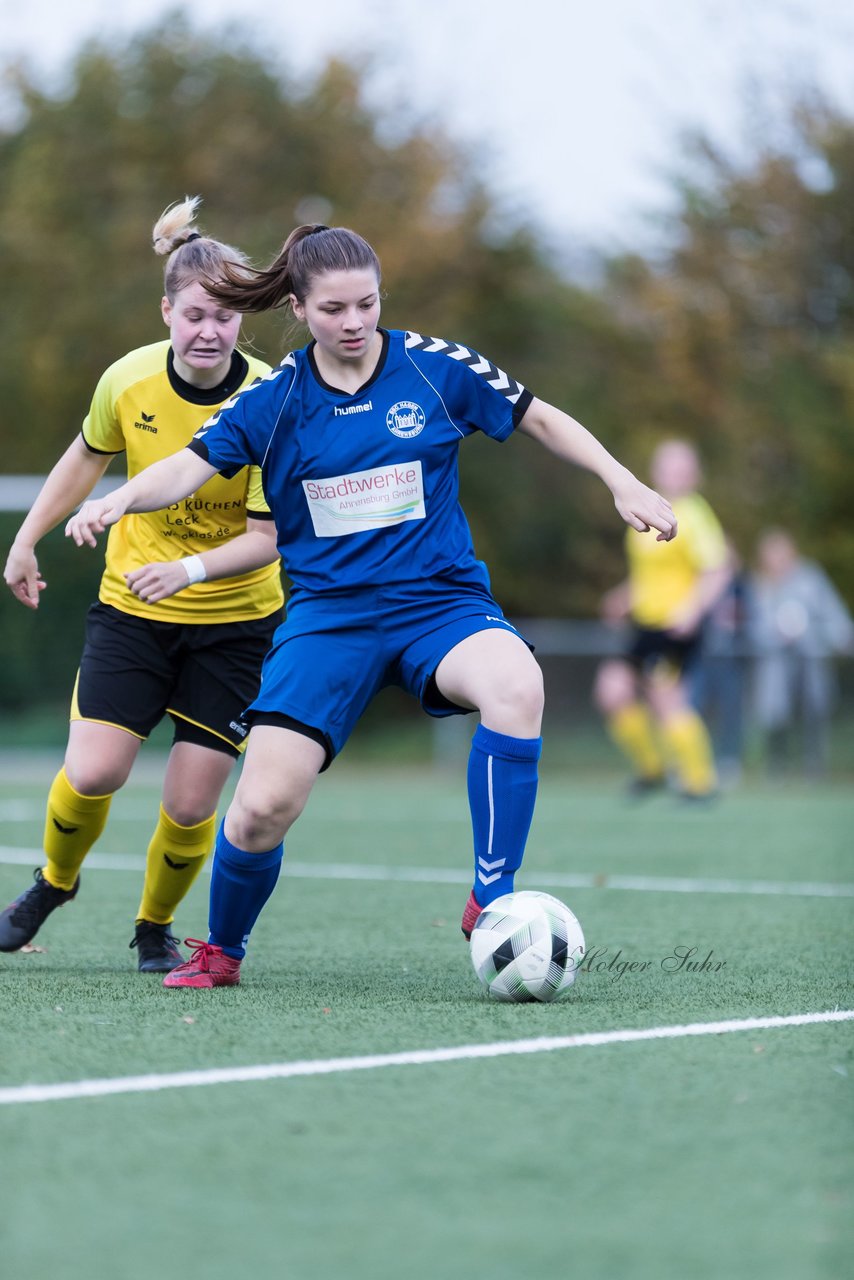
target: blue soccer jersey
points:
(364, 486)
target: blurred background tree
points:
(748, 326)
(739, 336)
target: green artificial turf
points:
(721, 1156)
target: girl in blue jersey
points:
(357, 436)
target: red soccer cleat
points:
(208, 966)
(470, 915)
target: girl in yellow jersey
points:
(188, 603)
(669, 590)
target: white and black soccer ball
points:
(527, 946)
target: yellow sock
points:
(176, 855)
(690, 749)
(72, 825)
(632, 729)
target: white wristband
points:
(196, 571)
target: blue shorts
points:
(335, 651)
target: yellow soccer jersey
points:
(143, 408)
(664, 575)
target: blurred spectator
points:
(645, 696)
(798, 622)
(719, 681)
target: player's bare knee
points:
(614, 687)
(515, 704)
(667, 698)
(94, 779)
(260, 820)
(189, 813)
(530, 697)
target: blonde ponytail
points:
(192, 257)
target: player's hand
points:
(22, 576)
(644, 509)
(158, 580)
(685, 626)
(93, 518)
(614, 607)
(685, 621)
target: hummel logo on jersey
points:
(490, 372)
(344, 410)
(145, 425)
(176, 866)
(66, 831)
(405, 419)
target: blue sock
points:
(502, 785)
(240, 885)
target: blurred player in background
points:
(645, 697)
(358, 436)
(187, 606)
(719, 678)
(798, 622)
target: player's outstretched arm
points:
(640, 506)
(250, 550)
(71, 480)
(158, 486)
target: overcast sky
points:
(573, 108)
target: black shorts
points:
(651, 649)
(133, 671)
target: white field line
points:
(140, 810)
(570, 880)
(126, 809)
(15, 856)
(17, 1094)
(33, 811)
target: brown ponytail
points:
(309, 251)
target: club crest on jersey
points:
(405, 419)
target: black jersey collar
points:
(337, 391)
(224, 390)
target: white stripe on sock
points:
(491, 804)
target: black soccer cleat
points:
(156, 948)
(642, 786)
(23, 918)
(698, 798)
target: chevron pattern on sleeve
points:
(288, 362)
(490, 372)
